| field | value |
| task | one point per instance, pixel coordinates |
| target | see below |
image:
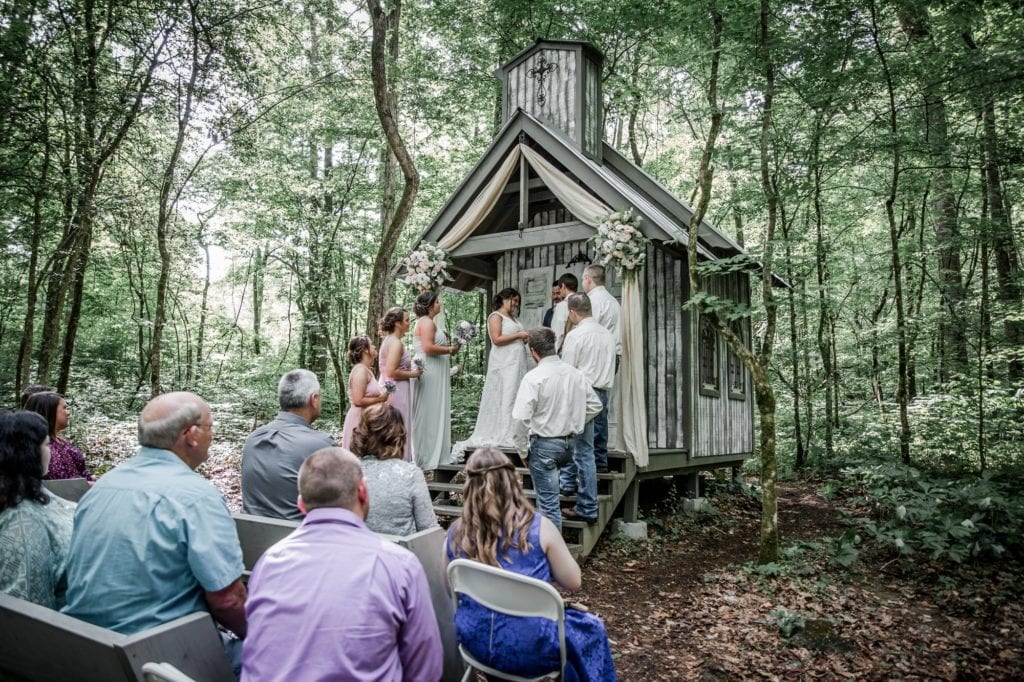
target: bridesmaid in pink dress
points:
(363, 388)
(396, 365)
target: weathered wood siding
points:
(722, 425)
(560, 90)
(666, 332)
(666, 342)
(592, 108)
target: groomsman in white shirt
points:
(590, 348)
(553, 405)
(608, 313)
(567, 285)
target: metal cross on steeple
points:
(539, 73)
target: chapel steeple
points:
(558, 82)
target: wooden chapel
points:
(505, 225)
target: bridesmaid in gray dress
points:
(431, 397)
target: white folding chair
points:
(512, 594)
(163, 672)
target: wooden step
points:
(528, 492)
(453, 510)
(610, 476)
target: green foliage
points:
(933, 518)
(789, 623)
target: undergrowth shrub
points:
(933, 516)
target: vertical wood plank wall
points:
(592, 108)
(559, 89)
(666, 335)
(722, 425)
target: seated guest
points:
(499, 527)
(66, 461)
(35, 525)
(334, 601)
(153, 540)
(274, 452)
(399, 500)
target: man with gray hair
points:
(153, 540)
(274, 452)
(334, 600)
(553, 405)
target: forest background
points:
(200, 195)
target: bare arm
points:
(394, 358)
(357, 383)
(227, 607)
(425, 329)
(494, 330)
(564, 568)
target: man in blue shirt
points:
(274, 452)
(153, 540)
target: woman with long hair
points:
(432, 399)
(396, 365)
(66, 461)
(399, 500)
(363, 388)
(35, 525)
(506, 365)
(500, 527)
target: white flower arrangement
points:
(426, 267)
(620, 243)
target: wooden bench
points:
(70, 489)
(44, 645)
(257, 534)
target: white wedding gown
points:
(506, 366)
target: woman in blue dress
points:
(500, 527)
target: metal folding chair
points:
(512, 594)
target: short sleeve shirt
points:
(150, 538)
(34, 541)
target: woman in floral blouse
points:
(66, 461)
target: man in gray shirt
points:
(274, 452)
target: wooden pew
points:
(257, 534)
(70, 489)
(43, 645)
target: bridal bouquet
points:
(464, 331)
(390, 386)
(426, 267)
(620, 244)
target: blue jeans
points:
(582, 469)
(601, 430)
(546, 456)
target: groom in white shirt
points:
(553, 405)
(607, 313)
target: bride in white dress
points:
(506, 366)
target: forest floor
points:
(689, 603)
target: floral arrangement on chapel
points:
(620, 244)
(464, 331)
(426, 267)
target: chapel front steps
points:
(446, 489)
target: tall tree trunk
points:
(952, 337)
(258, 272)
(385, 100)
(167, 203)
(38, 195)
(794, 345)
(894, 245)
(824, 334)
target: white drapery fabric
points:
(482, 205)
(632, 401)
(579, 201)
(588, 210)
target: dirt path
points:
(684, 606)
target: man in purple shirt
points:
(334, 600)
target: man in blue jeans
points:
(553, 405)
(590, 348)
